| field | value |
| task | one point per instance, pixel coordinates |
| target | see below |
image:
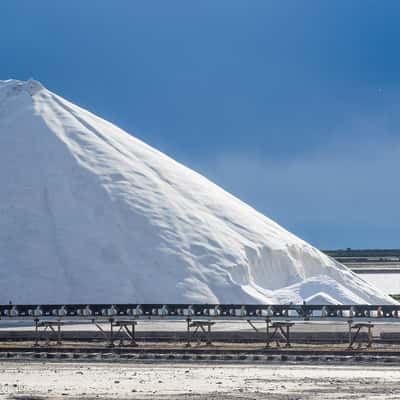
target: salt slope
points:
(89, 213)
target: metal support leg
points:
(198, 336)
(350, 335)
(47, 332)
(36, 332)
(277, 339)
(267, 341)
(188, 344)
(354, 338)
(283, 333)
(121, 340)
(111, 333)
(369, 345)
(208, 335)
(133, 341)
(287, 336)
(59, 333)
(103, 332)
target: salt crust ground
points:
(90, 214)
(217, 381)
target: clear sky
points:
(293, 106)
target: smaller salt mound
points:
(321, 298)
(322, 286)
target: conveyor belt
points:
(304, 311)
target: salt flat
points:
(388, 283)
(200, 381)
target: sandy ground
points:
(201, 381)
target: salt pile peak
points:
(89, 213)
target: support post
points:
(354, 338)
(188, 344)
(111, 333)
(267, 339)
(48, 333)
(208, 334)
(133, 341)
(287, 336)
(36, 332)
(59, 332)
(369, 345)
(350, 335)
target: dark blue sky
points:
(293, 106)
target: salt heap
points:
(90, 214)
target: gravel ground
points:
(190, 381)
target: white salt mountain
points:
(89, 213)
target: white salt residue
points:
(176, 381)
